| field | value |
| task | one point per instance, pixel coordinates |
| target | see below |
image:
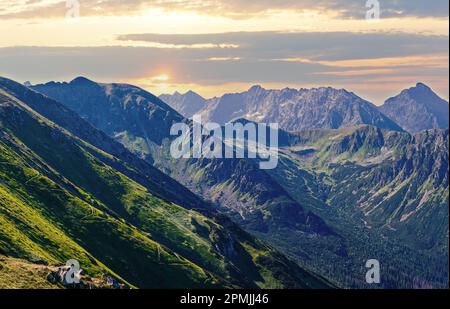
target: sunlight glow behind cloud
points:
(217, 46)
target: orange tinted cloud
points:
(433, 60)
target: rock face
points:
(59, 275)
(294, 110)
(187, 104)
(418, 108)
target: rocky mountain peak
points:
(417, 108)
(420, 85)
(419, 92)
(256, 88)
(82, 81)
(194, 95)
(187, 104)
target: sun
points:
(161, 78)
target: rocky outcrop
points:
(59, 275)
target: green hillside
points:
(61, 199)
(21, 274)
(384, 193)
(337, 198)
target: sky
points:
(220, 46)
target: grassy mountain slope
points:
(237, 187)
(62, 198)
(391, 178)
(21, 274)
(320, 172)
(156, 182)
(384, 193)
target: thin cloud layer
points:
(335, 59)
(24, 9)
(268, 45)
(299, 43)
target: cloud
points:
(351, 60)
(231, 8)
(24, 9)
(429, 60)
(317, 46)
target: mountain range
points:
(70, 191)
(351, 184)
(413, 110)
(134, 133)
